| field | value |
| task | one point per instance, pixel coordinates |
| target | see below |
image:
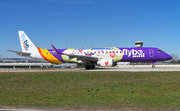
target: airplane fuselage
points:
(117, 54)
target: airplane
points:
(91, 56)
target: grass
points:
(90, 89)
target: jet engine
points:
(105, 62)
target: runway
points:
(140, 68)
(130, 68)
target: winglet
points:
(57, 52)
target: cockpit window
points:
(159, 51)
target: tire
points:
(87, 67)
(153, 66)
(92, 66)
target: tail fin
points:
(26, 43)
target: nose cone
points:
(168, 57)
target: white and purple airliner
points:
(91, 56)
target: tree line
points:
(175, 58)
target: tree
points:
(175, 58)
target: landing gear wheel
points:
(92, 66)
(87, 67)
(153, 66)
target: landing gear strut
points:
(153, 66)
(90, 67)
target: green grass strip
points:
(90, 89)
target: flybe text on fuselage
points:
(133, 53)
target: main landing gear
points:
(90, 67)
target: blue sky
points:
(96, 23)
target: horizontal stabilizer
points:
(20, 53)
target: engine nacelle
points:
(105, 62)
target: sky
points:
(90, 23)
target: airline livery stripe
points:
(40, 52)
(47, 56)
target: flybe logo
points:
(133, 53)
(24, 42)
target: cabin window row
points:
(103, 52)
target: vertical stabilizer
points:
(27, 46)
(26, 43)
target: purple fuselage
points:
(134, 54)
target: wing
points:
(20, 53)
(85, 58)
(79, 57)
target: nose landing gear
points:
(153, 66)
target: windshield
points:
(160, 51)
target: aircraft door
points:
(151, 53)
